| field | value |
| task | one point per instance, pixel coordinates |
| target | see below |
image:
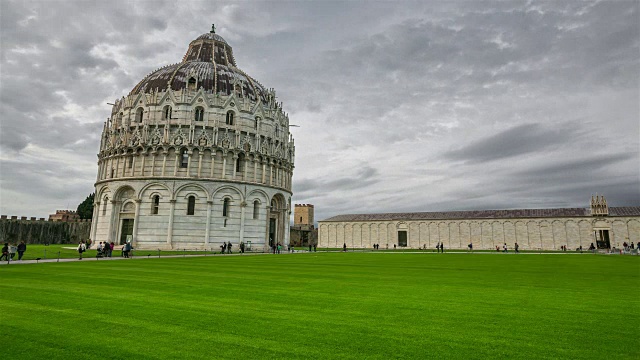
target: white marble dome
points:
(197, 154)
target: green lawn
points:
(325, 305)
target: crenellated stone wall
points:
(14, 230)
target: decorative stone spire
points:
(599, 206)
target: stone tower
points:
(303, 215)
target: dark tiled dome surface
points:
(210, 61)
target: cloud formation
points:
(410, 106)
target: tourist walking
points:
(5, 252)
(12, 251)
(229, 248)
(241, 247)
(438, 247)
(279, 247)
(127, 249)
(344, 247)
(223, 247)
(517, 247)
(442, 247)
(470, 246)
(504, 248)
(21, 249)
(110, 247)
(81, 248)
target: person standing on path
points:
(5, 252)
(81, 249)
(517, 247)
(504, 248)
(344, 247)
(22, 247)
(442, 247)
(438, 247)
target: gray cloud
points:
(410, 106)
(519, 140)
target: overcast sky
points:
(402, 106)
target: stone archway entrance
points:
(126, 222)
(277, 212)
(602, 238)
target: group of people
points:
(440, 247)
(314, 247)
(105, 249)
(630, 247)
(225, 248)
(9, 251)
(126, 249)
(376, 246)
(505, 249)
(276, 248)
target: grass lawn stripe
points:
(328, 305)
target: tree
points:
(85, 209)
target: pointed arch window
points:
(184, 162)
(191, 205)
(166, 113)
(256, 209)
(139, 114)
(229, 117)
(225, 208)
(155, 205)
(199, 114)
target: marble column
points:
(135, 222)
(208, 229)
(170, 228)
(243, 206)
(112, 233)
(164, 163)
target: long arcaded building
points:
(531, 228)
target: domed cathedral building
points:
(197, 154)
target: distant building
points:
(547, 229)
(65, 216)
(303, 232)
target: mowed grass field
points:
(324, 305)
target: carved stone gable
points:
(156, 137)
(179, 138)
(225, 142)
